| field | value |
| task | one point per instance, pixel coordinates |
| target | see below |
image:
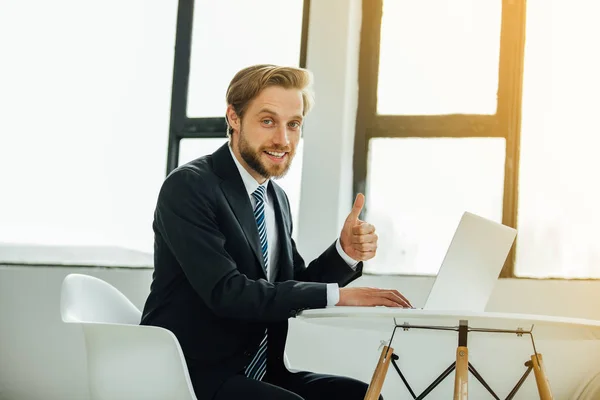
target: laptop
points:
(471, 265)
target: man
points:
(227, 274)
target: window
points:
(204, 67)
(559, 196)
(86, 119)
(191, 149)
(436, 124)
(434, 182)
(446, 84)
(439, 57)
(229, 35)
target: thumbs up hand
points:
(358, 238)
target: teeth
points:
(279, 155)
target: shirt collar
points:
(249, 182)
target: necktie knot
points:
(259, 194)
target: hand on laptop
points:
(371, 297)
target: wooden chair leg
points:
(379, 374)
(461, 378)
(541, 379)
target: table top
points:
(382, 319)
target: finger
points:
(367, 238)
(393, 297)
(363, 229)
(374, 301)
(402, 296)
(366, 255)
(388, 303)
(376, 291)
(390, 295)
(359, 202)
(365, 247)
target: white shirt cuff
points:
(333, 294)
(350, 261)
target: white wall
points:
(40, 357)
(333, 38)
(85, 103)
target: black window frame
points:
(181, 126)
(505, 123)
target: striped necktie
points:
(258, 366)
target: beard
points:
(253, 157)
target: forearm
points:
(329, 267)
(238, 297)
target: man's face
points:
(267, 137)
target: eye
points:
(294, 125)
(267, 121)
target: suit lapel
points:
(283, 220)
(242, 208)
(237, 197)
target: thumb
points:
(357, 208)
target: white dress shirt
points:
(333, 290)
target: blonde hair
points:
(250, 81)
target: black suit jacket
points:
(209, 287)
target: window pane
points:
(418, 190)
(89, 172)
(439, 57)
(191, 149)
(559, 194)
(229, 35)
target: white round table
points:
(384, 319)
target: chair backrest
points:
(85, 298)
(125, 360)
(589, 389)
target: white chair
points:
(589, 389)
(125, 360)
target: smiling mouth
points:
(276, 154)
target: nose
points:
(281, 137)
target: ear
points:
(233, 118)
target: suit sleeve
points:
(329, 267)
(185, 217)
